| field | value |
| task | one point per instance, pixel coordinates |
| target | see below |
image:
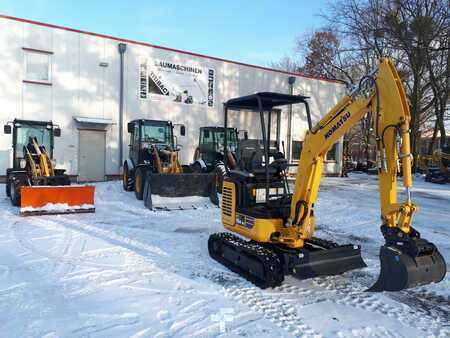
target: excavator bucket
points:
(177, 185)
(406, 266)
(44, 200)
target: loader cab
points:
(24, 130)
(147, 133)
(260, 177)
(211, 144)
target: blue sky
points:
(252, 31)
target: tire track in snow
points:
(351, 293)
(273, 307)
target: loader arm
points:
(406, 259)
(157, 160)
(45, 164)
(42, 168)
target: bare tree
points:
(287, 63)
(407, 32)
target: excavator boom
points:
(406, 259)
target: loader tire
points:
(14, 187)
(127, 179)
(216, 188)
(7, 188)
(139, 182)
(220, 175)
(148, 202)
(196, 168)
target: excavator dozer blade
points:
(45, 200)
(177, 185)
(319, 258)
(403, 268)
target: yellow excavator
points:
(279, 225)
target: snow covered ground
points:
(126, 271)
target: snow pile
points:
(57, 207)
(127, 271)
(161, 202)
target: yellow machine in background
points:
(153, 166)
(436, 166)
(172, 166)
(258, 205)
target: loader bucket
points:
(179, 185)
(44, 200)
(403, 268)
(176, 185)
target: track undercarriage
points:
(265, 265)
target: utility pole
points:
(122, 49)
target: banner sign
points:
(177, 82)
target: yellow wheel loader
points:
(33, 183)
(279, 225)
(436, 167)
(153, 167)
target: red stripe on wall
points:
(166, 48)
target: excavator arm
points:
(409, 259)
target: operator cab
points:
(260, 175)
(211, 144)
(146, 134)
(24, 131)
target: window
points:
(296, 150)
(331, 154)
(156, 134)
(37, 66)
(27, 132)
(232, 140)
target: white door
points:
(91, 159)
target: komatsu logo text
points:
(338, 125)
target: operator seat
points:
(250, 162)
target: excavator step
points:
(265, 265)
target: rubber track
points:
(272, 264)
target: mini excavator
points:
(279, 225)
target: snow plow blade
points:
(417, 262)
(323, 258)
(176, 185)
(45, 200)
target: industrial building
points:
(91, 85)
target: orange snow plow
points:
(43, 200)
